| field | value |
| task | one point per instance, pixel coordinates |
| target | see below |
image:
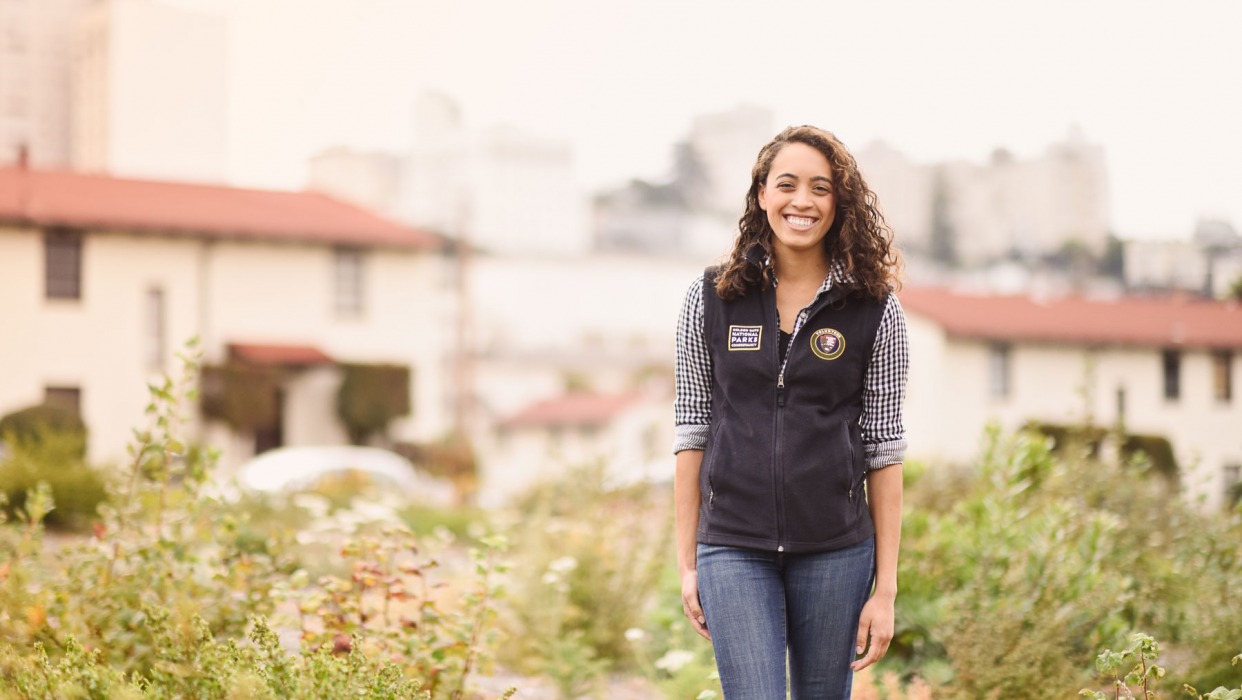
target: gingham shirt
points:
(884, 387)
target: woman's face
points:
(799, 199)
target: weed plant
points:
(170, 596)
(1013, 577)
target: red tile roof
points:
(278, 354)
(1162, 322)
(576, 409)
(76, 200)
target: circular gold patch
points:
(827, 343)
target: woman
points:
(791, 371)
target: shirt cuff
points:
(690, 437)
(882, 454)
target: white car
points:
(297, 468)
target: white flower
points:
(634, 634)
(563, 565)
(312, 503)
(551, 578)
(674, 659)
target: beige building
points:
(104, 279)
(976, 214)
(35, 69)
(625, 434)
(1164, 367)
(149, 91)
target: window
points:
(1233, 483)
(1222, 375)
(1121, 405)
(154, 321)
(62, 254)
(348, 282)
(1172, 364)
(69, 397)
(998, 371)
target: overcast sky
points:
(1157, 84)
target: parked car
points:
(288, 469)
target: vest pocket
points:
(822, 499)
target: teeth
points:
(800, 221)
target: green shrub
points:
(54, 458)
(371, 396)
(31, 426)
(1015, 575)
(157, 604)
(244, 397)
(193, 664)
(591, 558)
(1134, 667)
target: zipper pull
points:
(780, 389)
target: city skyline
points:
(1157, 86)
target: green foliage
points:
(591, 557)
(32, 426)
(371, 396)
(191, 663)
(54, 459)
(157, 604)
(1155, 450)
(243, 396)
(1013, 575)
(1133, 667)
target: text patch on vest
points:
(744, 337)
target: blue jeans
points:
(759, 604)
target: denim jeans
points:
(759, 604)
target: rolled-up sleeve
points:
(692, 407)
(884, 390)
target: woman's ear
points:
(762, 190)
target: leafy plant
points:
(1134, 667)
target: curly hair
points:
(860, 241)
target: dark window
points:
(999, 370)
(154, 331)
(1222, 375)
(62, 253)
(62, 257)
(1172, 363)
(348, 278)
(1121, 405)
(1233, 477)
(69, 397)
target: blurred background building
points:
(532, 314)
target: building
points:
(36, 39)
(1164, 367)
(104, 279)
(969, 214)
(626, 434)
(370, 180)
(149, 91)
(726, 144)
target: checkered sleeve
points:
(692, 407)
(884, 390)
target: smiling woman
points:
(788, 486)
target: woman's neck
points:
(801, 269)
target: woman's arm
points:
(884, 496)
(686, 499)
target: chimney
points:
(23, 156)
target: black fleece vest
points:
(784, 466)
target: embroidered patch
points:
(744, 337)
(827, 343)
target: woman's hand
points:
(875, 622)
(690, 603)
